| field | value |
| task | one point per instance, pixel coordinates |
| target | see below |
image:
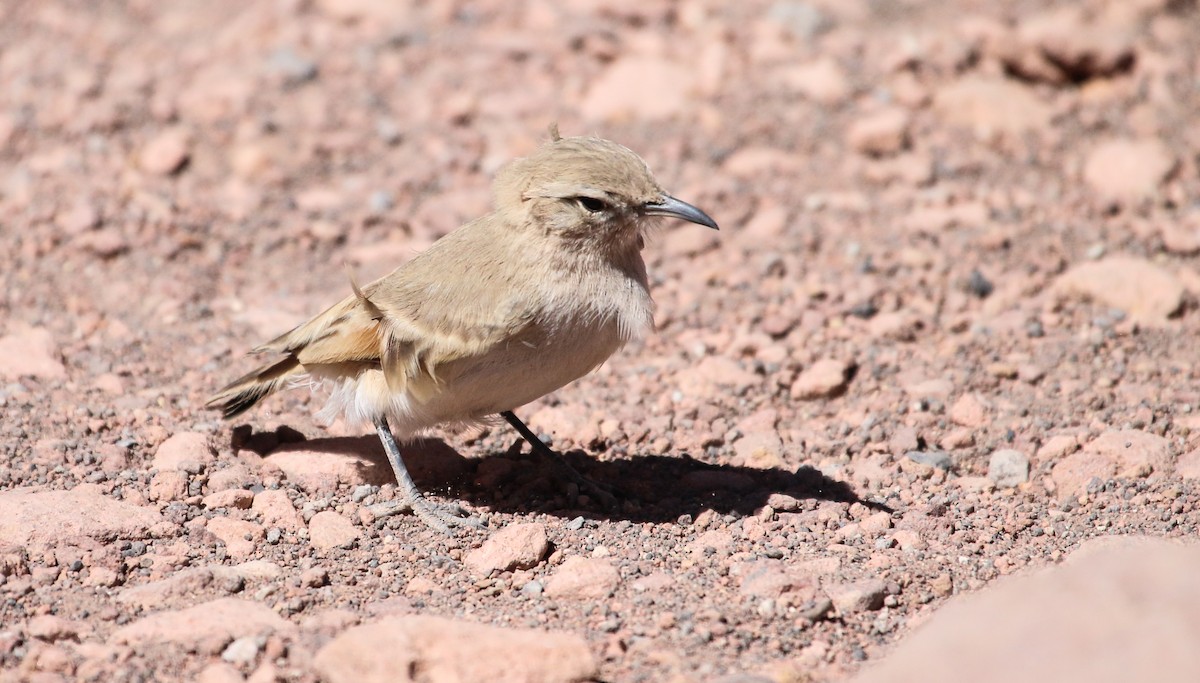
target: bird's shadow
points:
(648, 488)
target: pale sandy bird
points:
(494, 315)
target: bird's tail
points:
(241, 394)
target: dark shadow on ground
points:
(648, 488)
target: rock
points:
(184, 585)
(1056, 447)
(51, 628)
(379, 12)
(267, 672)
(988, 106)
(894, 325)
(638, 88)
(1089, 619)
(760, 445)
(105, 242)
(904, 439)
(30, 352)
(239, 536)
(402, 649)
(1080, 49)
(242, 651)
(188, 451)
(236, 476)
(36, 518)
(936, 459)
(167, 486)
(422, 585)
(717, 372)
(804, 20)
(314, 577)
(80, 218)
(1188, 465)
(254, 570)
(654, 582)
(881, 133)
(908, 540)
(782, 502)
(102, 576)
(720, 540)
(328, 529)
(583, 578)
(570, 423)
(292, 68)
(1181, 237)
(775, 579)
(1124, 171)
(166, 153)
(876, 524)
(970, 410)
(276, 509)
(239, 499)
(760, 449)
(321, 465)
(857, 596)
(1008, 467)
(220, 672)
(823, 81)
(1143, 290)
(1126, 453)
(213, 624)
(517, 546)
(822, 379)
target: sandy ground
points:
(946, 334)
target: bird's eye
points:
(591, 204)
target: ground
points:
(945, 334)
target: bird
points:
(497, 313)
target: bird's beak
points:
(677, 208)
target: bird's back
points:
(449, 337)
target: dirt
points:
(945, 334)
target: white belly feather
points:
(504, 378)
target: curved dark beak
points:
(677, 208)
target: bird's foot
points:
(444, 519)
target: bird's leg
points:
(435, 517)
(593, 488)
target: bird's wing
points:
(436, 309)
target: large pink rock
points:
(1128, 170)
(1117, 610)
(29, 517)
(406, 649)
(322, 465)
(183, 451)
(30, 352)
(990, 106)
(1124, 453)
(213, 623)
(240, 537)
(1145, 291)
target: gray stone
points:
(1008, 467)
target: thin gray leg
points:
(435, 517)
(595, 489)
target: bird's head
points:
(590, 189)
